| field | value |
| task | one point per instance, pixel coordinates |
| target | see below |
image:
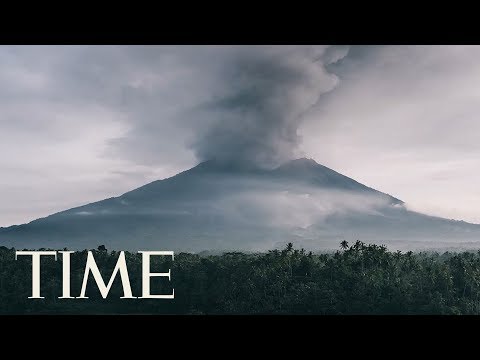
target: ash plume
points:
(253, 121)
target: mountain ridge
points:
(214, 206)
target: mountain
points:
(215, 206)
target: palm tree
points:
(344, 245)
(289, 247)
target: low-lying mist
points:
(297, 207)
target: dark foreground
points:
(361, 279)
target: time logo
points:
(91, 267)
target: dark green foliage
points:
(359, 279)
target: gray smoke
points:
(255, 117)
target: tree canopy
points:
(357, 279)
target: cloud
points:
(403, 119)
(82, 123)
(304, 207)
(255, 117)
(60, 108)
(76, 119)
(232, 103)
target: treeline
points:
(357, 279)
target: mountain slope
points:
(215, 206)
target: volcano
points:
(218, 207)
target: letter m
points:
(92, 267)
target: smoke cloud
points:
(112, 118)
(253, 119)
(302, 208)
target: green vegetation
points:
(357, 279)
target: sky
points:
(84, 123)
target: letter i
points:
(66, 275)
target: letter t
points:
(36, 269)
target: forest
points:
(358, 278)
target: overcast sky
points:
(83, 123)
